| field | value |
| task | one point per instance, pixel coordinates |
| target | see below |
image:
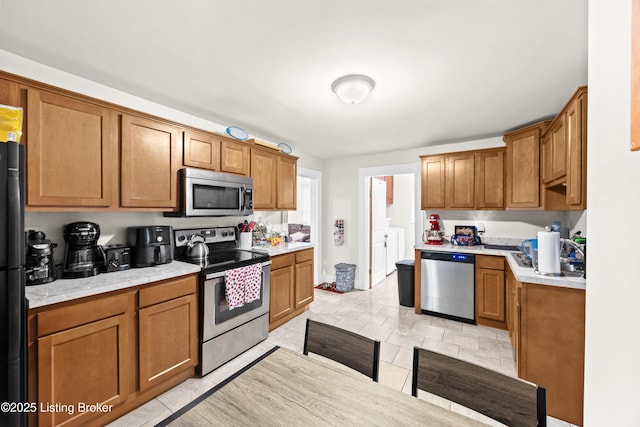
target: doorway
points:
(308, 212)
(398, 235)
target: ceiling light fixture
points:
(353, 88)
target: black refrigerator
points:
(13, 305)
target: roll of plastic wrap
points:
(549, 252)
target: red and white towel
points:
(243, 285)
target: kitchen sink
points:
(566, 269)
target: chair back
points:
(345, 347)
(508, 400)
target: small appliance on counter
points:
(117, 258)
(466, 235)
(150, 245)
(39, 265)
(435, 234)
(83, 257)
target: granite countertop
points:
(284, 248)
(523, 274)
(69, 289)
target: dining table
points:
(286, 388)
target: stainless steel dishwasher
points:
(448, 285)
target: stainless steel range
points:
(233, 292)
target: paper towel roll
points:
(549, 252)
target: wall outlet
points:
(480, 227)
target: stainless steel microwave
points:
(207, 193)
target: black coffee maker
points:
(39, 265)
(83, 257)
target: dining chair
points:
(348, 348)
(509, 400)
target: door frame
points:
(363, 211)
(316, 218)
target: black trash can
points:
(406, 277)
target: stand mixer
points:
(435, 234)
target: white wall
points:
(612, 371)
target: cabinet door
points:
(92, 363)
(546, 158)
(234, 157)
(304, 283)
(9, 94)
(263, 167)
(433, 184)
(71, 153)
(490, 294)
(150, 161)
(577, 150)
(558, 149)
(523, 167)
(201, 150)
(490, 179)
(168, 339)
(281, 295)
(460, 181)
(552, 346)
(286, 183)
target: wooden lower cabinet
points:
(490, 291)
(93, 353)
(552, 330)
(291, 286)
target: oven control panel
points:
(210, 235)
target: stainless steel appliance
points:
(117, 258)
(448, 285)
(83, 257)
(150, 245)
(226, 330)
(13, 305)
(40, 267)
(206, 193)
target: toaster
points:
(117, 258)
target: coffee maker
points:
(83, 257)
(40, 267)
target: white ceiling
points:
(445, 70)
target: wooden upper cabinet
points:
(149, 163)
(546, 158)
(460, 180)
(263, 166)
(433, 182)
(234, 157)
(9, 94)
(523, 167)
(576, 124)
(201, 150)
(490, 179)
(558, 159)
(71, 152)
(286, 182)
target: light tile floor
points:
(377, 314)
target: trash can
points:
(406, 276)
(345, 276)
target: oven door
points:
(217, 317)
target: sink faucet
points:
(579, 249)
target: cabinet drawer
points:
(281, 261)
(304, 255)
(168, 290)
(490, 262)
(68, 317)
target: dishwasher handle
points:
(449, 256)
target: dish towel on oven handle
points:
(242, 285)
